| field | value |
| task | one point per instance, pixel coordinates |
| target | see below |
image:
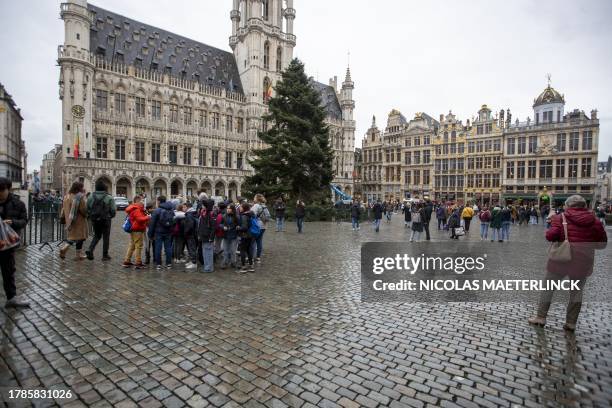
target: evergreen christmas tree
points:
(297, 159)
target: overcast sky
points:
(429, 56)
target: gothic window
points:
(216, 118)
(119, 149)
(120, 103)
(187, 113)
(156, 110)
(187, 155)
(173, 154)
(155, 152)
(101, 100)
(140, 106)
(140, 151)
(173, 113)
(265, 9)
(202, 157)
(266, 56)
(101, 148)
(279, 59)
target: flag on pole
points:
(76, 144)
(269, 92)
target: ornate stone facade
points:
(489, 159)
(148, 111)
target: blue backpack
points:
(254, 229)
(127, 224)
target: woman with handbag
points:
(575, 235)
(74, 213)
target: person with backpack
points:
(137, 221)
(230, 224)
(190, 229)
(248, 230)
(496, 223)
(506, 219)
(466, 215)
(263, 216)
(485, 219)
(279, 213)
(418, 216)
(206, 234)
(160, 229)
(300, 213)
(101, 209)
(378, 213)
(454, 222)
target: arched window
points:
(279, 59)
(265, 9)
(267, 90)
(266, 55)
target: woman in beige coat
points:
(74, 211)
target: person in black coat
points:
(407, 215)
(355, 214)
(454, 222)
(378, 213)
(427, 210)
(14, 214)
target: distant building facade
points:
(148, 111)
(489, 160)
(12, 147)
(47, 177)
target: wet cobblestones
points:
(294, 334)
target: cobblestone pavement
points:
(293, 334)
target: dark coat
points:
(300, 211)
(155, 227)
(232, 224)
(378, 211)
(454, 221)
(207, 224)
(355, 211)
(427, 210)
(496, 218)
(14, 209)
(582, 227)
(407, 214)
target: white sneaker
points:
(190, 265)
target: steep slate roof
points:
(329, 99)
(120, 38)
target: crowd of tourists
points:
(168, 232)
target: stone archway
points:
(219, 189)
(232, 191)
(107, 182)
(160, 188)
(192, 189)
(143, 187)
(206, 187)
(176, 188)
(123, 187)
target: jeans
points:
(496, 234)
(415, 235)
(505, 230)
(575, 299)
(101, 231)
(300, 223)
(377, 224)
(441, 223)
(280, 222)
(355, 222)
(7, 264)
(246, 250)
(135, 247)
(208, 253)
(484, 230)
(258, 244)
(229, 251)
(166, 242)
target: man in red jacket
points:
(585, 234)
(139, 220)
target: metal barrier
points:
(44, 223)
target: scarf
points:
(76, 201)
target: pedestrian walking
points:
(485, 218)
(407, 210)
(138, 221)
(355, 214)
(74, 214)
(441, 215)
(300, 213)
(454, 222)
(378, 213)
(101, 209)
(279, 213)
(13, 213)
(160, 230)
(466, 215)
(506, 219)
(585, 233)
